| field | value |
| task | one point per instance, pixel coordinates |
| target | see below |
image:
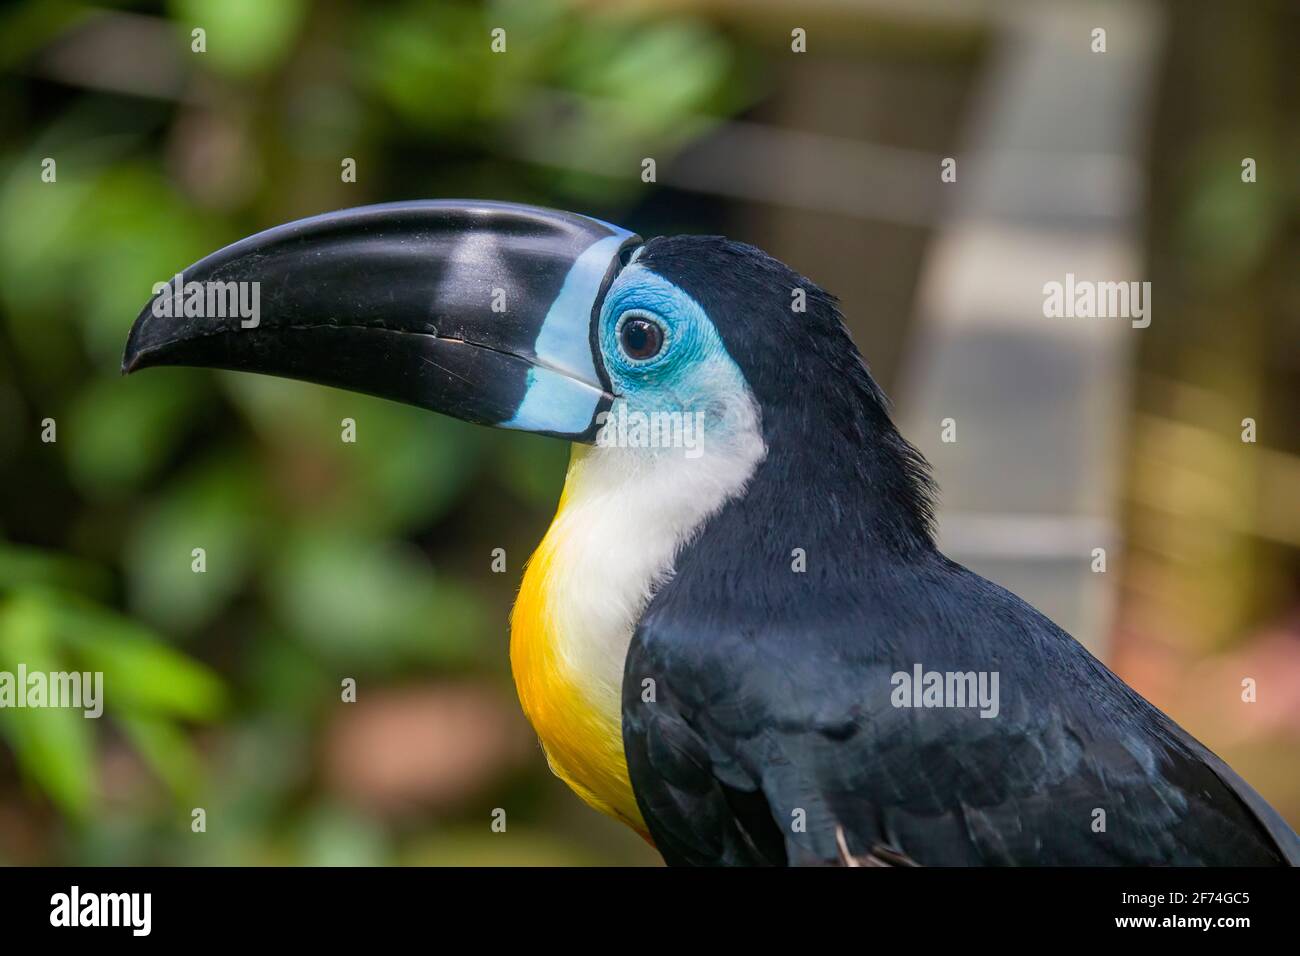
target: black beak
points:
(480, 310)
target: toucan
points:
(738, 636)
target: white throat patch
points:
(627, 513)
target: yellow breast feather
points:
(582, 738)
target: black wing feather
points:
(765, 739)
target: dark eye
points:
(641, 338)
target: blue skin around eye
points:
(693, 371)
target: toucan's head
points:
(541, 321)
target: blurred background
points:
(372, 560)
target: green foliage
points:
(147, 686)
(243, 36)
(346, 597)
(213, 506)
(323, 558)
(123, 435)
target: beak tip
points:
(132, 353)
(142, 344)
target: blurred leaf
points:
(143, 681)
(53, 745)
(405, 468)
(32, 567)
(27, 27)
(218, 507)
(90, 247)
(35, 220)
(374, 603)
(335, 836)
(687, 60)
(243, 36)
(121, 431)
(142, 675)
(136, 231)
(429, 63)
(167, 750)
(285, 677)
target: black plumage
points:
(772, 688)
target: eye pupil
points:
(641, 338)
